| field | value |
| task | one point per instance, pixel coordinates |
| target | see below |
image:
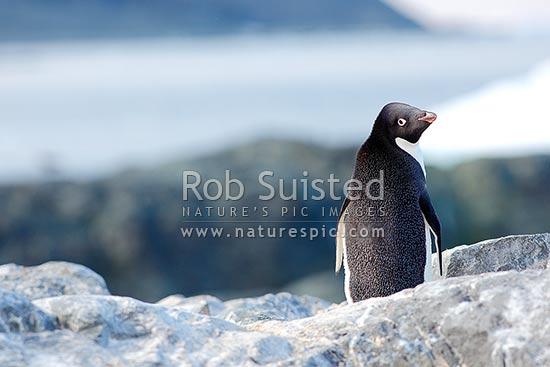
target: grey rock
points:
(18, 314)
(204, 304)
(60, 348)
(110, 330)
(280, 306)
(117, 318)
(494, 319)
(51, 279)
(506, 253)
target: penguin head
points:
(400, 120)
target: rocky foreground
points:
(61, 314)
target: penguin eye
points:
(401, 122)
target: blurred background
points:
(103, 104)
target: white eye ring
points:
(401, 122)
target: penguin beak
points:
(428, 117)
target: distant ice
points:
(504, 118)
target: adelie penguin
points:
(383, 236)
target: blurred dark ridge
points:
(127, 227)
(69, 19)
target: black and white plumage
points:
(377, 266)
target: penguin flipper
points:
(340, 236)
(433, 222)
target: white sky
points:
(475, 15)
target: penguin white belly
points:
(413, 150)
(341, 252)
(428, 266)
(347, 289)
